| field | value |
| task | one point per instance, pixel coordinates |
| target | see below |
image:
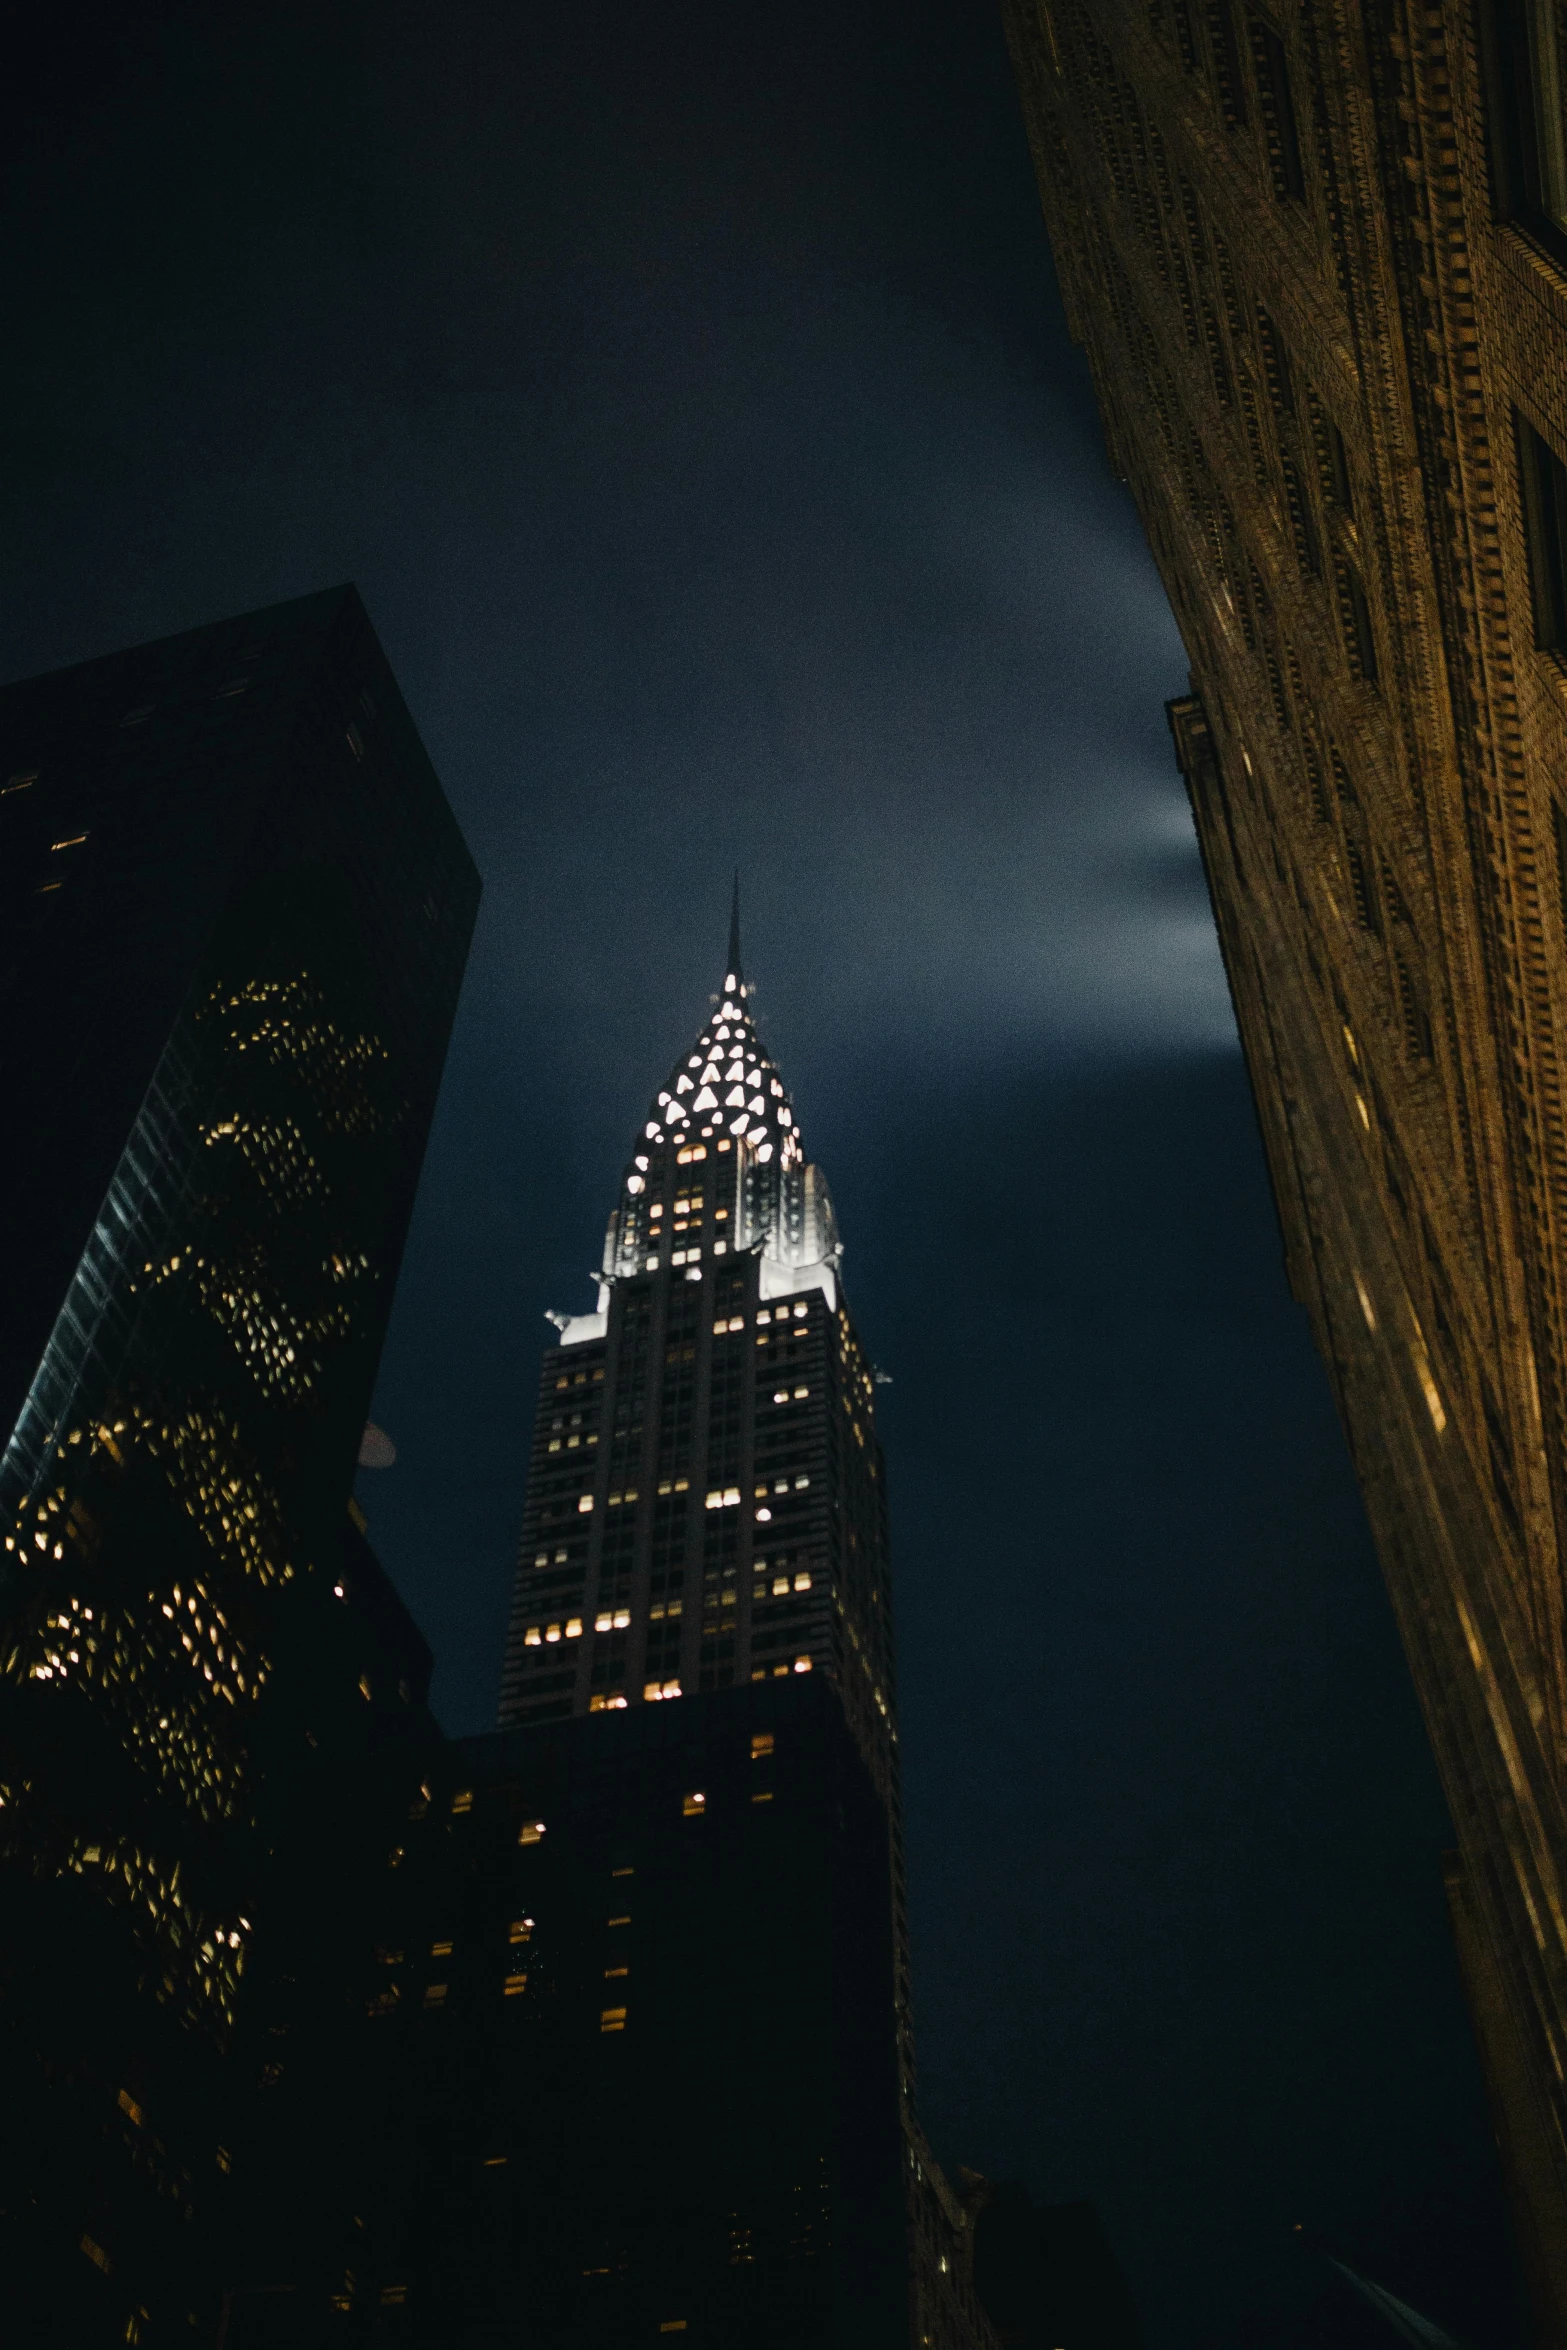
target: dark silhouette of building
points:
(1317, 256)
(1045, 2273)
(606, 2032)
(591, 2043)
(234, 914)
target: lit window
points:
(781, 1395)
(435, 1995)
(761, 1743)
(1428, 1388)
(764, 1315)
(530, 1832)
(514, 1985)
(520, 1930)
(612, 2019)
(800, 1394)
(574, 1628)
(692, 1806)
(802, 1664)
(802, 1582)
(463, 1799)
(440, 1950)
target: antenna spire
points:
(732, 967)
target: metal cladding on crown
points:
(726, 1112)
(729, 1084)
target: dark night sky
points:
(687, 392)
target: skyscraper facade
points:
(707, 1507)
(707, 1502)
(1317, 256)
(236, 914)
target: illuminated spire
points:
(725, 1108)
(735, 975)
(728, 1083)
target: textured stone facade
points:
(1317, 258)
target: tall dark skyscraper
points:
(708, 1500)
(236, 911)
(708, 1504)
(600, 2027)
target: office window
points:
(1542, 481)
(1529, 50)
(1355, 620)
(1224, 62)
(1416, 1017)
(1280, 130)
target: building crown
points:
(720, 1148)
(728, 1083)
